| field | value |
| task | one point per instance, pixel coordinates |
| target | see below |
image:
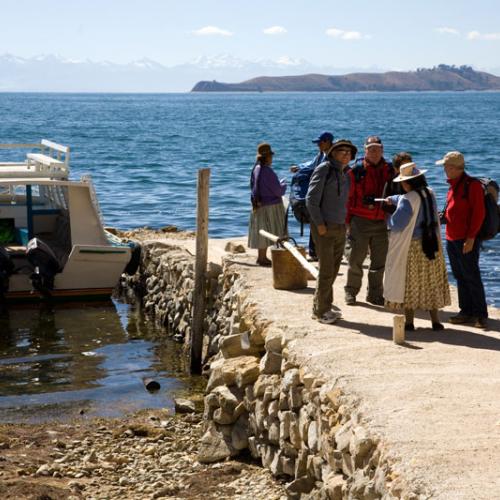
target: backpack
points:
(491, 223)
(298, 192)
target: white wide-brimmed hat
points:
(408, 171)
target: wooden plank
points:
(302, 260)
(199, 293)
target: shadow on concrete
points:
(450, 336)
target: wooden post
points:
(398, 329)
(199, 292)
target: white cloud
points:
(346, 35)
(447, 31)
(476, 35)
(289, 61)
(212, 31)
(275, 30)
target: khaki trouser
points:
(329, 249)
(367, 234)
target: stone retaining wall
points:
(259, 398)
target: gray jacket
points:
(326, 198)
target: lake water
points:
(143, 151)
(76, 362)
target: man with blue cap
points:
(303, 172)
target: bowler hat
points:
(264, 150)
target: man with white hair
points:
(464, 214)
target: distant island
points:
(441, 78)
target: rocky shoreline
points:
(148, 455)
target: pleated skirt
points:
(426, 281)
(271, 218)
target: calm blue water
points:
(76, 361)
(143, 151)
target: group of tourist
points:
(385, 209)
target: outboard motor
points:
(135, 258)
(46, 266)
(6, 270)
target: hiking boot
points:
(481, 323)
(264, 262)
(350, 299)
(461, 319)
(376, 301)
(327, 318)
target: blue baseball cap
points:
(325, 136)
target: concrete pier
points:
(432, 403)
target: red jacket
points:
(464, 212)
(368, 181)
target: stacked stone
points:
(258, 397)
(165, 283)
(292, 421)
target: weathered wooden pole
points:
(398, 329)
(199, 292)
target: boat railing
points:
(52, 158)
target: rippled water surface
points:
(144, 150)
(83, 361)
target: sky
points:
(386, 33)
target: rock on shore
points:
(148, 456)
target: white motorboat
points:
(52, 240)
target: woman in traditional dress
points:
(268, 212)
(415, 271)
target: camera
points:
(442, 217)
(369, 200)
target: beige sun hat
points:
(408, 171)
(452, 159)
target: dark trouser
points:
(367, 234)
(312, 248)
(329, 249)
(465, 268)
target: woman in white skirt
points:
(415, 271)
(268, 212)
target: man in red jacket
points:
(464, 215)
(366, 222)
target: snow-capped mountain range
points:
(52, 73)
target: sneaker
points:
(350, 299)
(376, 301)
(327, 318)
(460, 319)
(481, 323)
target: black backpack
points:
(491, 223)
